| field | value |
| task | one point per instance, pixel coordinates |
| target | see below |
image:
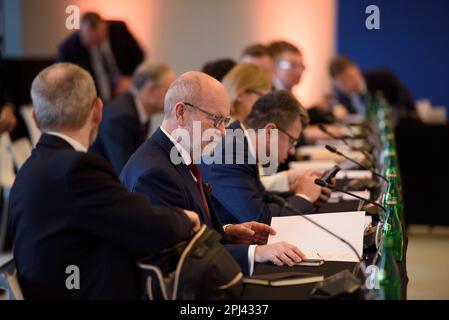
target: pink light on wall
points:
(311, 26)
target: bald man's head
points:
(196, 88)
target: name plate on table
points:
(316, 243)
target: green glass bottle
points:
(393, 228)
(393, 192)
(388, 277)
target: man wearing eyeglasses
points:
(238, 192)
(288, 65)
(165, 168)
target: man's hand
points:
(249, 232)
(293, 175)
(279, 253)
(8, 120)
(325, 195)
(196, 224)
(306, 185)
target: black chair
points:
(9, 282)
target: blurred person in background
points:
(107, 50)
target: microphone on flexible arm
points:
(284, 203)
(341, 283)
(334, 150)
(345, 141)
(324, 184)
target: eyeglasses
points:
(293, 141)
(218, 120)
(287, 65)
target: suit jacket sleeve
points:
(234, 187)
(240, 253)
(164, 192)
(111, 212)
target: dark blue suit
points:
(237, 191)
(150, 171)
(69, 208)
(127, 52)
(120, 132)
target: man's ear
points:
(97, 111)
(35, 120)
(180, 113)
(268, 127)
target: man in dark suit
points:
(68, 211)
(127, 118)
(165, 167)
(238, 192)
(107, 50)
(354, 86)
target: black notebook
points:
(284, 279)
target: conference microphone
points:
(334, 150)
(284, 203)
(324, 184)
(330, 134)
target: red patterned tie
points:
(196, 172)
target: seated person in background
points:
(67, 207)
(288, 65)
(288, 72)
(127, 118)
(164, 168)
(259, 55)
(107, 50)
(219, 68)
(353, 86)
(245, 84)
(237, 190)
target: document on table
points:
(337, 195)
(318, 244)
(354, 174)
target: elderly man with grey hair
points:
(164, 168)
(127, 118)
(77, 232)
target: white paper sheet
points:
(318, 244)
(340, 195)
(314, 164)
(354, 174)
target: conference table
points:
(329, 268)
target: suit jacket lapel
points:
(187, 178)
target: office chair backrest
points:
(33, 130)
(9, 282)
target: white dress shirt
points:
(75, 144)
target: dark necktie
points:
(196, 172)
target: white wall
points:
(187, 33)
